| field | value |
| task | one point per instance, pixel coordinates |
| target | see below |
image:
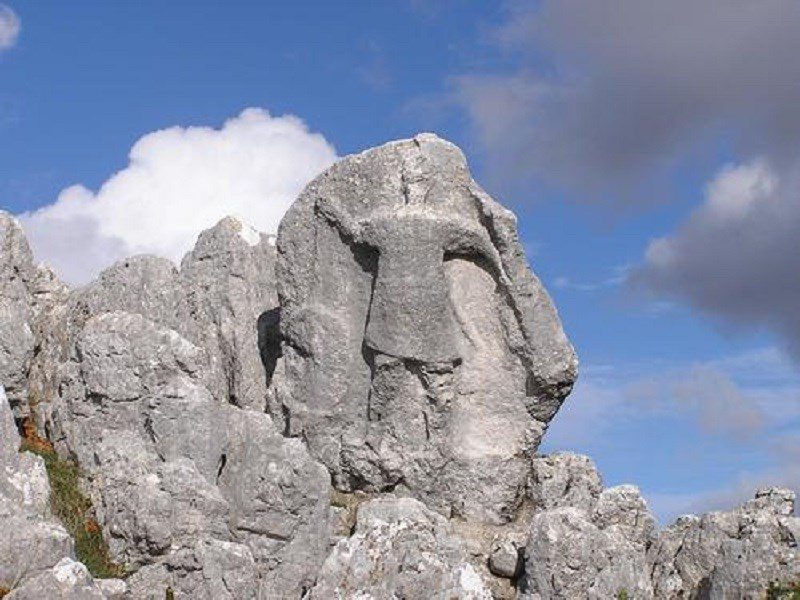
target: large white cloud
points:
(9, 27)
(178, 182)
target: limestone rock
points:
(568, 556)
(181, 482)
(585, 541)
(16, 336)
(36, 552)
(504, 560)
(732, 554)
(565, 479)
(67, 580)
(400, 549)
(229, 283)
(419, 351)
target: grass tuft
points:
(790, 591)
(72, 506)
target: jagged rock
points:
(181, 482)
(733, 554)
(568, 556)
(67, 580)
(16, 336)
(36, 552)
(400, 549)
(584, 542)
(419, 351)
(218, 301)
(229, 282)
(565, 479)
(622, 509)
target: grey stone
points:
(400, 549)
(419, 351)
(568, 557)
(229, 283)
(504, 560)
(16, 335)
(565, 479)
(731, 554)
(623, 510)
(36, 552)
(182, 483)
(67, 580)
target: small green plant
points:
(785, 591)
(72, 507)
(623, 594)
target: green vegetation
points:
(777, 591)
(623, 594)
(72, 507)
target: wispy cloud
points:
(619, 277)
(10, 27)
(749, 402)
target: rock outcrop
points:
(37, 555)
(730, 554)
(350, 414)
(399, 549)
(25, 290)
(156, 387)
(419, 351)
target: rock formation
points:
(419, 351)
(351, 413)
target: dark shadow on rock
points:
(269, 340)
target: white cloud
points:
(178, 182)
(9, 27)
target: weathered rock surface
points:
(585, 542)
(733, 554)
(229, 287)
(414, 360)
(400, 549)
(25, 290)
(419, 351)
(36, 552)
(179, 479)
(145, 376)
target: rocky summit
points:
(349, 411)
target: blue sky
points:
(604, 125)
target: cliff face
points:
(351, 412)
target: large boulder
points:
(154, 380)
(419, 351)
(399, 549)
(229, 292)
(584, 541)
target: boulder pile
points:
(351, 410)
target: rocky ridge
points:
(349, 411)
